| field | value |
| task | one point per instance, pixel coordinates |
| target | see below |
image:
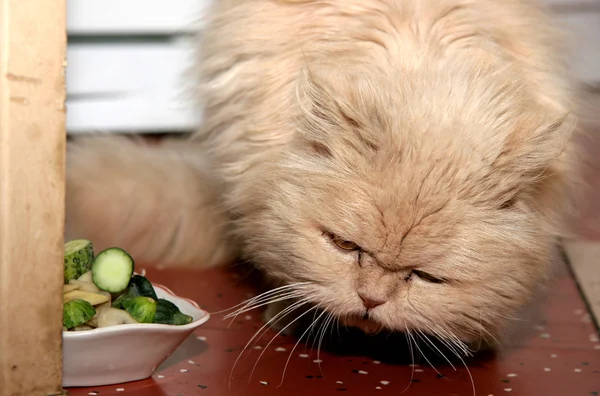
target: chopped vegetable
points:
(83, 327)
(142, 309)
(87, 277)
(91, 283)
(169, 313)
(79, 254)
(112, 270)
(144, 286)
(181, 319)
(92, 298)
(76, 313)
(118, 303)
(113, 317)
(99, 309)
(69, 288)
(139, 286)
(84, 286)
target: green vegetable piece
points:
(138, 286)
(79, 254)
(118, 302)
(77, 312)
(181, 319)
(142, 309)
(144, 286)
(169, 313)
(112, 270)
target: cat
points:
(401, 165)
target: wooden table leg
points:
(32, 193)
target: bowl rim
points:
(205, 316)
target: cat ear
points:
(331, 115)
(530, 154)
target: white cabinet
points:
(134, 17)
(130, 86)
(127, 61)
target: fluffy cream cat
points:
(400, 164)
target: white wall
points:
(126, 60)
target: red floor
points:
(556, 354)
(587, 219)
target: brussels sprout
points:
(77, 312)
(142, 309)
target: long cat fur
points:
(434, 134)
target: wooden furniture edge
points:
(32, 191)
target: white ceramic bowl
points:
(124, 353)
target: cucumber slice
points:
(77, 312)
(79, 255)
(112, 270)
(169, 313)
(142, 309)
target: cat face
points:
(425, 219)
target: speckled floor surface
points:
(557, 353)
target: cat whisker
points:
(270, 291)
(277, 335)
(427, 340)
(312, 326)
(318, 332)
(273, 299)
(450, 336)
(328, 320)
(279, 316)
(484, 331)
(470, 376)
(462, 345)
(272, 321)
(263, 297)
(296, 345)
(422, 354)
(412, 358)
(449, 343)
(468, 372)
(446, 336)
(453, 345)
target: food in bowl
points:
(103, 290)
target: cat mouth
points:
(363, 323)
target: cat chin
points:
(367, 326)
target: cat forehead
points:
(435, 112)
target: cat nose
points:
(370, 303)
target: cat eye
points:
(424, 276)
(343, 244)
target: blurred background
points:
(127, 59)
